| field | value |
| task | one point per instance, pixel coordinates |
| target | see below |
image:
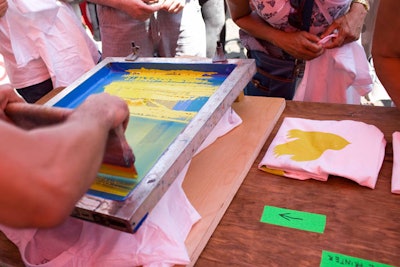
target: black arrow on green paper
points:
(306, 221)
(287, 217)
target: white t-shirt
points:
(42, 40)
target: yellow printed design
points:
(154, 93)
(309, 146)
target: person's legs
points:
(181, 34)
(213, 12)
(118, 30)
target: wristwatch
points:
(365, 3)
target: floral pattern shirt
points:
(276, 13)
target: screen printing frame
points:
(129, 214)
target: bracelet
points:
(365, 3)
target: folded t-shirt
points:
(396, 163)
(304, 149)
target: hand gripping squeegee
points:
(118, 158)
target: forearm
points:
(137, 9)
(45, 171)
(300, 44)
(385, 47)
(255, 26)
(86, 136)
(388, 70)
(250, 22)
(356, 17)
(360, 5)
(57, 167)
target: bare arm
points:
(137, 9)
(301, 45)
(348, 26)
(45, 171)
(386, 49)
(173, 6)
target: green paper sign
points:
(331, 259)
(294, 219)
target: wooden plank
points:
(216, 173)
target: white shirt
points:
(44, 39)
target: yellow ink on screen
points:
(161, 103)
(162, 98)
(152, 93)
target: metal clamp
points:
(219, 56)
(135, 53)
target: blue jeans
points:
(274, 77)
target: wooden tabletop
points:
(360, 222)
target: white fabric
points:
(304, 149)
(339, 75)
(396, 163)
(45, 36)
(158, 242)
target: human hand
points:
(141, 9)
(111, 115)
(173, 6)
(347, 27)
(3, 7)
(112, 110)
(301, 45)
(7, 95)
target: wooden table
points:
(360, 222)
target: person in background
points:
(213, 12)
(3, 7)
(167, 28)
(42, 173)
(277, 36)
(44, 46)
(369, 27)
(75, 6)
(386, 48)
